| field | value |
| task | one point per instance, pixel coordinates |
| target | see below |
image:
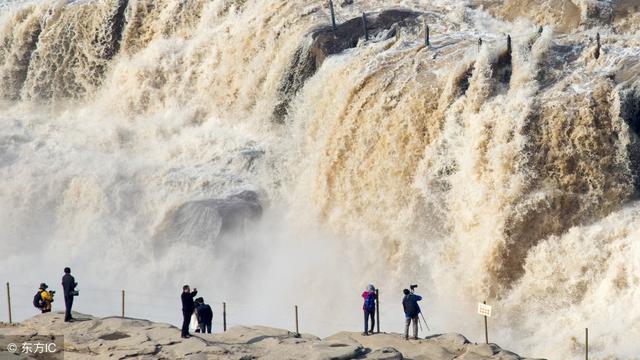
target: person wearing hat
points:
(369, 308)
(46, 298)
(411, 312)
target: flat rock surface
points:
(120, 338)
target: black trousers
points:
(367, 315)
(205, 327)
(68, 303)
(186, 321)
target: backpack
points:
(369, 302)
(37, 300)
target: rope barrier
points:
(262, 312)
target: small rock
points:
(387, 353)
(485, 349)
(328, 350)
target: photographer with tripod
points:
(411, 311)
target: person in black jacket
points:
(411, 312)
(69, 288)
(187, 308)
(204, 315)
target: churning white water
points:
(222, 143)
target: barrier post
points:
(333, 16)
(122, 303)
(378, 310)
(426, 34)
(586, 343)
(9, 302)
(486, 329)
(297, 330)
(509, 44)
(224, 316)
(597, 53)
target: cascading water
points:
(243, 148)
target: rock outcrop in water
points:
(324, 42)
(121, 338)
(206, 221)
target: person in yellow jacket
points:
(46, 298)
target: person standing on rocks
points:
(369, 308)
(411, 312)
(187, 309)
(69, 288)
(204, 315)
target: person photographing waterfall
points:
(188, 307)
(369, 308)
(411, 311)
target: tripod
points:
(413, 287)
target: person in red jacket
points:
(369, 308)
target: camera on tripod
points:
(413, 287)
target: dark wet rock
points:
(117, 23)
(346, 3)
(501, 68)
(114, 336)
(462, 81)
(324, 41)
(205, 221)
(630, 109)
(630, 112)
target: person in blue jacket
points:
(369, 308)
(411, 312)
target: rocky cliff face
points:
(325, 41)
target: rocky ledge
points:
(120, 338)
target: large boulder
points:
(203, 222)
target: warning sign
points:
(484, 309)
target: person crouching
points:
(204, 315)
(43, 298)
